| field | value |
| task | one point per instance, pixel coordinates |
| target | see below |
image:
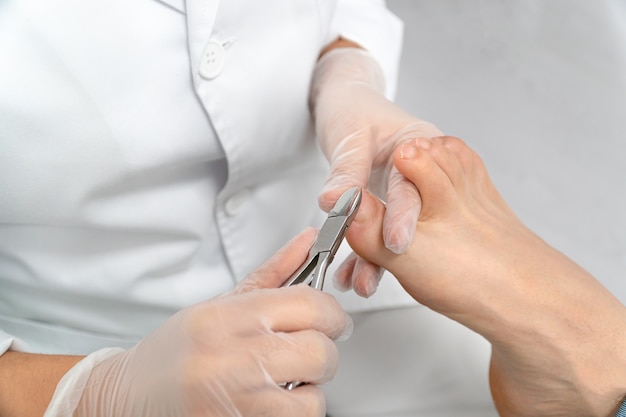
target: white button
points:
(234, 202)
(212, 60)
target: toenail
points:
(408, 150)
(423, 143)
(438, 139)
(367, 209)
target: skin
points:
(27, 381)
(558, 336)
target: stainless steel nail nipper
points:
(322, 253)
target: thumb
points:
(402, 211)
(276, 270)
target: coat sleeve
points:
(8, 342)
(373, 26)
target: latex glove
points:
(558, 336)
(220, 358)
(358, 129)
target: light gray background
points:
(538, 88)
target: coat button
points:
(236, 201)
(212, 60)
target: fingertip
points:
(331, 191)
(348, 329)
(308, 236)
(302, 241)
(325, 201)
(342, 280)
(399, 230)
(336, 184)
(402, 212)
(367, 276)
(398, 243)
(365, 288)
(338, 323)
(277, 269)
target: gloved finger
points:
(343, 275)
(365, 233)
(290, 309)
(350, 165)
(306, 356)
(358, 274)
(276, 270)
(401, 214)
(266, 400)
(305, 400)
(365, 277)
(308, 401)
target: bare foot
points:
(558, 336)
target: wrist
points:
(339, 43)
(70, 391)
(27, 381)
(342, 67)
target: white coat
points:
(154, 153)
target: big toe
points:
(365, 234)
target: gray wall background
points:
(538, 89)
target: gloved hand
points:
(358, 129)
(222, 358)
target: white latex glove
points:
(358, 129)
(221, 358)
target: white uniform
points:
(153, 154)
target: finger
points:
(307, 356)
(292, 309)
(309, 401)
(365, 234)
(366, 277)
(305, 400)
(276, 270)
(403, 209)
(350, 165)
(358, 274)
(342, 279)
